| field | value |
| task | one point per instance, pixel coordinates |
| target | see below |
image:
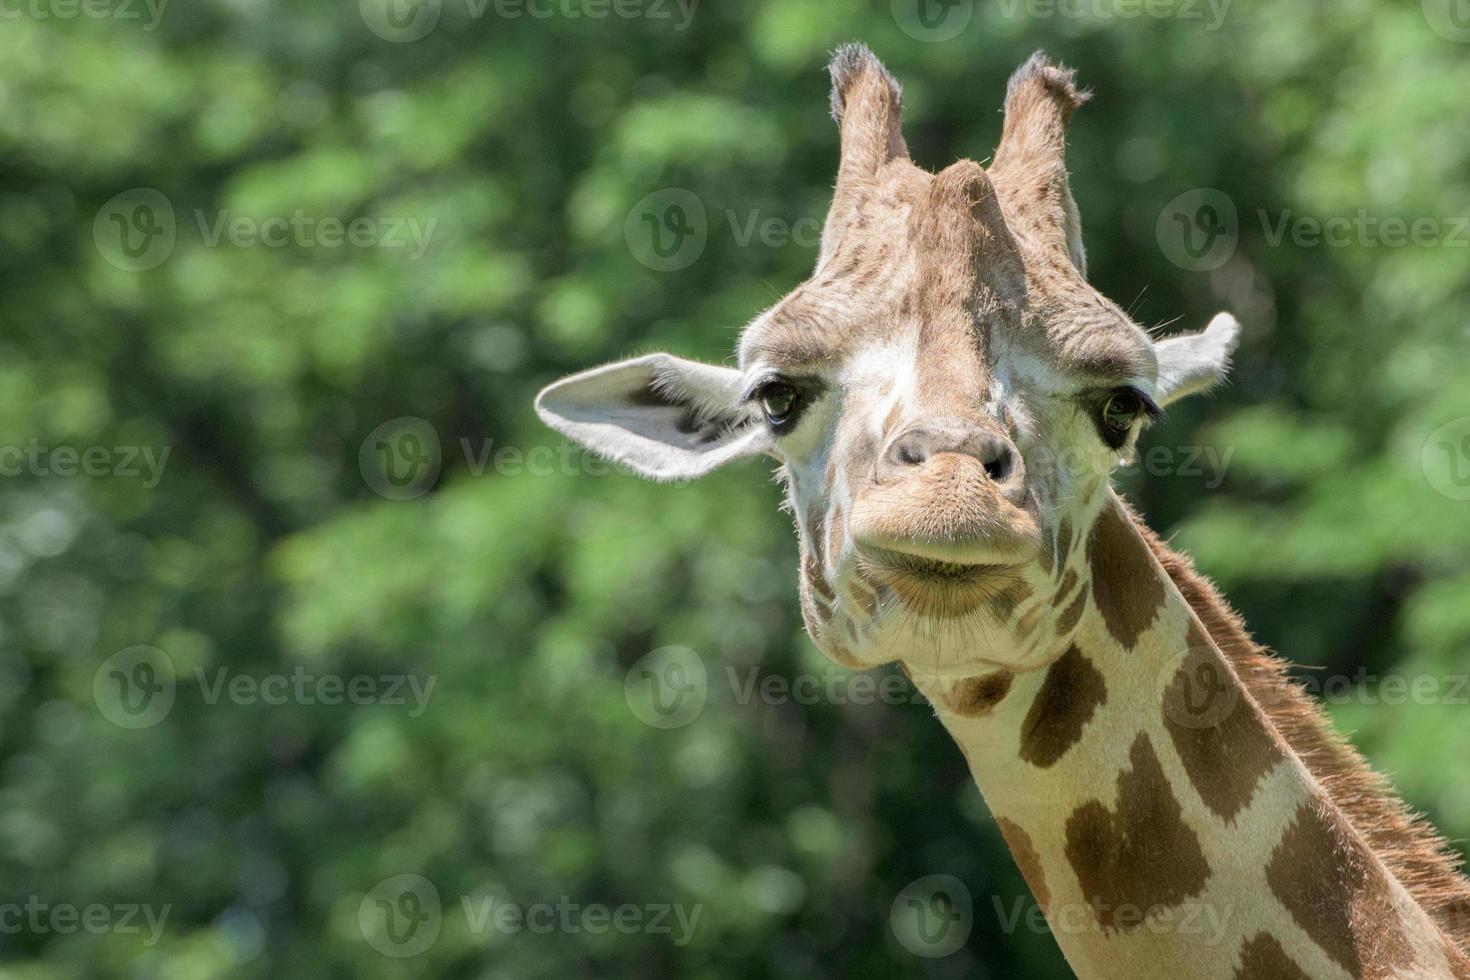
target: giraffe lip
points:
(935, 588)
(931, 570)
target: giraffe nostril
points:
(911, 449)
(1001, 465)
(910, 454)
(920, 444)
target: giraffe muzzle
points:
(949, 508)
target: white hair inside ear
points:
(664, 417)
(1196, 362)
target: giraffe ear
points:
(662, 416)
(1196, 361)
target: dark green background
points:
(527, 595)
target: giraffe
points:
(947, 399)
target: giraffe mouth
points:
(934, 588)
(931, 569)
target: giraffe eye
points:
(1118, 412)
(779, 401)
(1122, 409)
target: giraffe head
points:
(946, 395)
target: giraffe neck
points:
(1160, 818)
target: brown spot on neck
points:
(1223, 742)
(1070, 694)
(1411, 849)
(1143, 855)
(1262, 958)
(977, 696)
(1125, 584)
(1026, 859)
(1337, 894)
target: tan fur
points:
(1411, 849)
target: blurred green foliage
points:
(520, 144)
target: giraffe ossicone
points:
(947, 398)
